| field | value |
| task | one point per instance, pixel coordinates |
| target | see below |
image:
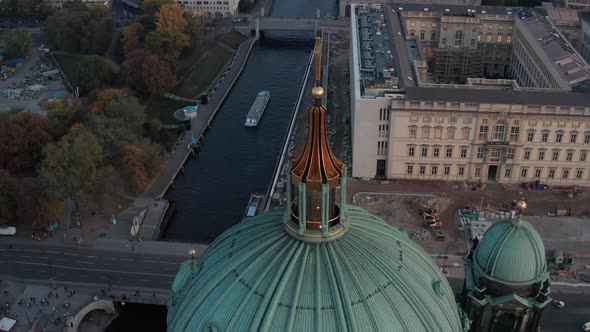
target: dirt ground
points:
(398, 203)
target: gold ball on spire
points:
(521, 205)
(317, 92)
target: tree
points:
(132, 39)
(153, 42)
(132, 70)
(159, 75)
(171, 24)
(149, 10)
(102, 98)
(8, 200)
(128, 108)
(72, 166)
(61, 115)
(142, 164)
(22, 138)
(50, 210)
(18, 43)
(94, 72)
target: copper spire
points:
(317, 164)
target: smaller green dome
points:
(512, 253)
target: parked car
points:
(7, 230)
(586, 326)
(559, 304)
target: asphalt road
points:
(124, 269)
(575, 313)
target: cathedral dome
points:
(511, 253)
(258, 277)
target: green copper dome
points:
(512, 253)
(258, 277)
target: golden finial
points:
(317, 91)
(521, 204)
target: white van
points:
(7, 230)
(586, 327)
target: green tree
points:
(171, 25)
(72, 166)
(18, 43)
(94, 72)
(61, 114)
(196, 31)
(153, 42)
(8, 199)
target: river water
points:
(235, 161)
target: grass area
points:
(69, 64)
(232, 39)
(161, 108)
(203, 73)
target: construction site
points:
(445, 217)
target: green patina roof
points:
(512, 253)
(257, 277)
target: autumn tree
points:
(142, 164)
(171, 25)
(49, 210)
(94, 72)
(159, 75)
(8, 200)
(132, 70)
(102, 98)
(72, 166)
(131, 38)
(18, 43)
(149, 10)
(22, 138)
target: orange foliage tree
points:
(102, 98)
(159, 75)
(50, 210)
(142, 164)
(171, 25)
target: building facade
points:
(216, 9)
(487, 130)
(458, 45)
(488, 142)
(581, 5)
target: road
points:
(575, 313)
(123, 269)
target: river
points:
(235, 161)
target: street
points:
(575, 313)
(123, 269)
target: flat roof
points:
(572, 68)
(455, 10)
(562, 14)
(519, 97)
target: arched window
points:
(458, 41)
(489, 37)
(422, 35)
(500, 38)
(412, 32)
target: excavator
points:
(431, 218)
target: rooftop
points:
(456, 10)
(572, 68)
(375, 57)
(562, 15)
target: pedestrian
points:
(154, 294)
(6, 292)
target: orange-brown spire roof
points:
(317, 164)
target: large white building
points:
(488, 130)
(217, 9)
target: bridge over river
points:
(261, 24)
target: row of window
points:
(438, 131)
(484, 121)
(436, 151)
(552, 173)
(555, 155)
(434, 25)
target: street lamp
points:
(192, 252)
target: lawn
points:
(162, 108)
(69, 65)
(204, 73)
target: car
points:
(559, 304)
(586, 326)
